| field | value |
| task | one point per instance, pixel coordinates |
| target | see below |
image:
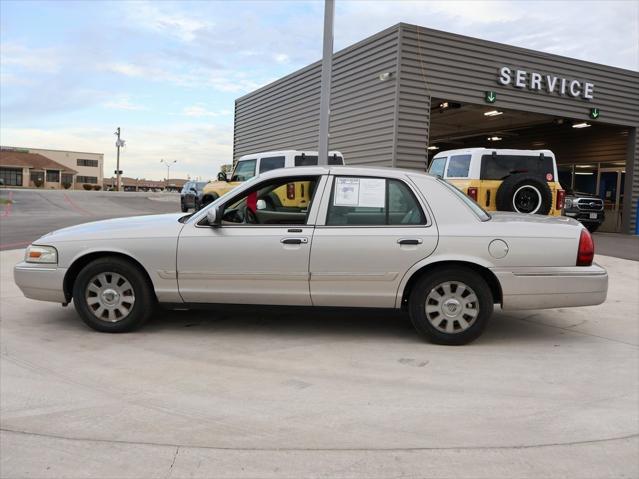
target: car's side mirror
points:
(193, 190)
(261, 205)
(221, 176)
(214, 216)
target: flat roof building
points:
(50, 169)
(407, 92)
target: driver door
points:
(259, 254)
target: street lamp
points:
(168, 164)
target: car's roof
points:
(499, 151)
(342, 170)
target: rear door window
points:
(372, 202)
(437, 166)
(310, 160)
(458, 166)
(271, 163)
(498, 167)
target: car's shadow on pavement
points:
(344, 323)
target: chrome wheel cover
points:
(110, 297)
(452, 307)
(527, 199)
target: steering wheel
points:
(249, 216)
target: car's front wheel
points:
(183, 207)
(592, 227)
(112, 295)
(451, 305)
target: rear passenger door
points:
(370, 231)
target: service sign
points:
(547, 83)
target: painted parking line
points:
(75, 206)
(21, 244)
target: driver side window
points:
(285, 201)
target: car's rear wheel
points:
(592, 227)
(112, 295)
(524, 193)
(451, 305)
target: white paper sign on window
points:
(365, 192)
(346, 192)
(372, 193)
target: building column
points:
(631, 185)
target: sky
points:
(168, 73)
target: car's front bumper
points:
(40, 281)
(584, 216)
(556, 287)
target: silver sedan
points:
(339, 236)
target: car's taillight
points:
(472, 192)
(561, 197)
(586, 251)
(290, 191)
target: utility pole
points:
(325, 95)
(168, 164)
(119, 143)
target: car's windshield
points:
(200, 185)
(437, 166)
(244, 170)
(478, 210)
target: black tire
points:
(534, 193)
(592, 227)
(425, 322)
(183, 207)
(209, 199)
(144, 299)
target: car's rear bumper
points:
(557, 287)
(42, 282)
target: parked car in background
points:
(523, 181)
(248, 166)
(191, 195)
(368, 237)
(585, 208)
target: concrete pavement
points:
(254, 394)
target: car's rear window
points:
(498, 167)
(458, 166)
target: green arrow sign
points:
(490, 97)
(594, 113)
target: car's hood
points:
(504, 216)
(148, 226)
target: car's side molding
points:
(479, 265)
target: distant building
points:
(50, 169)
(142, 184)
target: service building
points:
(407, 92)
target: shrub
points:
(97, 187)
(87, 186)
(38, 182)
(66, 185)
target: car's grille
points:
(590, 204)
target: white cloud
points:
(42, 60)
(164, 20)
(123, 103)
(281, 58)
(200, 111)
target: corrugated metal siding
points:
(632, 184)
(463, 68)
(285, 114)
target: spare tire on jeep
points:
(524, 193)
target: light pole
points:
(325, 94)
(168, 164)
(119, 143)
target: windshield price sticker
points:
(365, 192)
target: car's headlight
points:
(568, 203)
(41, 254)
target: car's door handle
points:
(409, 241)
(294, 240)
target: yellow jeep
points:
(524, 181)
(248, 166)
